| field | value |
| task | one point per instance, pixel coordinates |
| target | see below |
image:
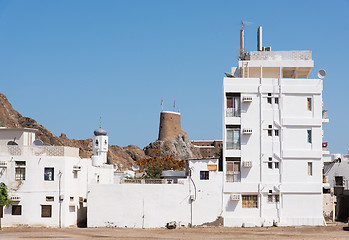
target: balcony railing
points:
(324, 114)
(233, 177)
(233, 112)
(233, 145)
(280, 55)
(146, 181)
(15, 150)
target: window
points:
(72, 199)
(96, 142)
(204, 175)
(46, 211)
(16, 209)
(249, 201)
(233, 137)
(310, 168)
(50, 198)
(49, 174)
(309, 136)
(270, 163)
(270, 133)
(20, 170)
(276, 132)
(309, 104)
(233, 173)
(338, 180)
(276, 100)
(233, 105)
(269, 98)
(276, 164)
(273, 198)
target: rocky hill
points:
(125, 157)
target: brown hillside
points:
(123, 156)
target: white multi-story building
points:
(48, 185)
(272, 133)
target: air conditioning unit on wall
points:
(247, 164)
(235, 197)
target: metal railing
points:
(233, 177)
(324, 114)
(15, 150)
(233, 145)
(233, 112)
(280, 55)
(146, 181)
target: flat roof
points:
(18, 129)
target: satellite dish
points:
(321, 73)
(12, 143)
(38, 143)
(135, 167)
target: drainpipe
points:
(59, 199)
(260, 146)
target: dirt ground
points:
(340, 231)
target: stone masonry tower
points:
(170, 125)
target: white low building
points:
(48, 184)
(150, 203)
(272, 139)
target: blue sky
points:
(66, 63)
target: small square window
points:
(276, 100)
(310, 168)
(270, 126)
(16, 209)
(20, 163)
(50, 198)
(309, 104)
(46, 211)
(270, 163)
(309, 136)
(270, 133)
(269, 94)
(276, 132)
(270, 198)
(204, 175)
(72, 199)
(49, 174)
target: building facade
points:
(47, 184)
(272, 139)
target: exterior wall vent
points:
(76, 168)
(247, 164)
(15, 198)
(3, 164)
(247, 99)
(235, 197)
(247, 131)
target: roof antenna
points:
(100, 122)
(242, 39)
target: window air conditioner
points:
(235, 197)
(247, 131)
(76, 168)
(247, 164)
(247, 99)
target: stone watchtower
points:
(170, 125)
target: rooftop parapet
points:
(54, 151)
(280, 55)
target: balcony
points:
(325, 117)
(61, 151)
(233, 145)
(233, 112)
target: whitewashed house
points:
(272, 139)
(48, 184)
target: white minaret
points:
(99, 147)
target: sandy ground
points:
(330, 232)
